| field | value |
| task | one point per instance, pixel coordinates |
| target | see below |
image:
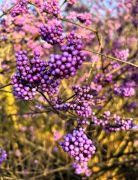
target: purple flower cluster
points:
(32, 76)
(20, 8)
(3, 156)
(51, 7)
(52, 33)
(66, 64)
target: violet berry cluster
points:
(82, 168)
(112, 123)
(120, 124)
(85, 92)
(82, 109)
(126, 89)
(78, 146)
(52, 33)
(69, 61)
(32, 76)
(20, 8)
(85, 98)
(51, 7)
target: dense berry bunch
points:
(78, 146)
(32, 76)
(67, 63)
(52, 33)
(51, 7)
(20, 8)
(3, 155)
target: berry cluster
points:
(67, 63)
(120, 124)
(100, 121)
(84, 93)
(32, 76)
(82, 109)
(125, 90)
(20, 8)
(3, 155)
(83, 123)
(51, 7)
(78, 145)
(82, 168)
(101, 79)
(112, 123)
(52, 32)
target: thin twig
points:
(5, 86)
(113, 58)
(49, 102)
(29, 113)
(66, 20)
(69, 98)
(4, 13)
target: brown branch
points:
(5, 86)
(113, 58)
